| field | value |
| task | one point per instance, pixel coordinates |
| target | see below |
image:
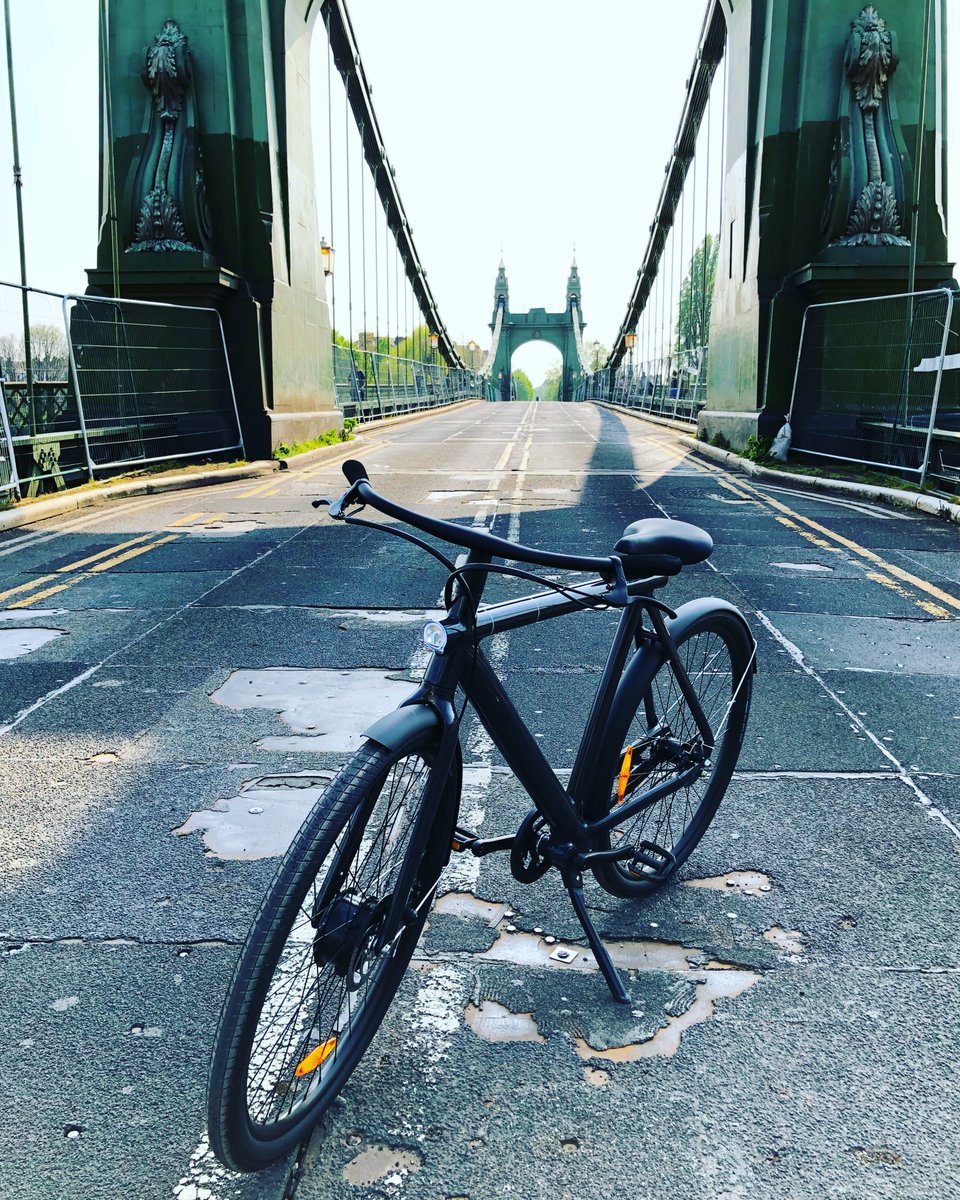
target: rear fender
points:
(644, 664)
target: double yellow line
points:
(933, 600)
(85, 568)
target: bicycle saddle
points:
(657, 546)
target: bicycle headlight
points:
(434, 637)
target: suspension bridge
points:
(184, 668)
(797, 250)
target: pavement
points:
(180, 675)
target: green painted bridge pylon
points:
(213, 154)
(537, 325)
(823, 109)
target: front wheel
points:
(662, 746)
(321, 963)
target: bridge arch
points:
(512, 330)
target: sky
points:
(522, 127)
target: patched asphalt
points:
(788, 1042)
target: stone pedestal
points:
(790, 178)
(224, 139)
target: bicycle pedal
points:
(464, 840)
(651, 861)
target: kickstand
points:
(574, 884)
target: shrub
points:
(757, 449)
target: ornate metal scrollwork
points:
(871, 137)
(170, 206)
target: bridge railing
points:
(93, 385)
(673, 387)
(9, 479)
(877, 383)
(371, 385)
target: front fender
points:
(395, 729)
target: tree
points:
(597, 354)
(550, 387)
(696, 296)
(48, 347)
(11, 355)
(522, 385)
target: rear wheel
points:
(320, 965)
(662, 745)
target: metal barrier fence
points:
(370, 385)
(868, 385)
(9, 482)
(102, 384)
(674, 386)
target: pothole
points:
(715, 985)
(700, 983)
(814, 568)
(531, 950)
(15, 643)
(876, 1156)
(791, 941)
(381, 1162)
(219, 528)
(745, 883)
(596, 1077)
(495, 1023)
(327, 710)
(30, 614)
(465, 904)
(388, 616)
(261, 821)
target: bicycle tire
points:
(654, 718)
(306, 987)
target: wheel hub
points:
(348, 935)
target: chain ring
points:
(526, 863)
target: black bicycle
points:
(341, 918)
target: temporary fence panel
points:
(369, 385)
(674, 386)
(44, 420)
(943, 465)
(153, 381)
(9, 482)
(867, 382)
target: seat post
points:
(623, 642)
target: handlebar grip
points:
(355, 471)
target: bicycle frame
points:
(462, 663)
(458, 662)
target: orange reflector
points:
(316, 1058)
(624, 774)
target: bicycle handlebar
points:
(610, 569)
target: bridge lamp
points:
(326, 257)
(631, 340)
(434, 342)
(473, 349)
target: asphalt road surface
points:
(179, 678)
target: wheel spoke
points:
(327, 978)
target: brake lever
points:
(336, 507)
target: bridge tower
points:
(560, 329)
(823, 114)
(214, 172)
